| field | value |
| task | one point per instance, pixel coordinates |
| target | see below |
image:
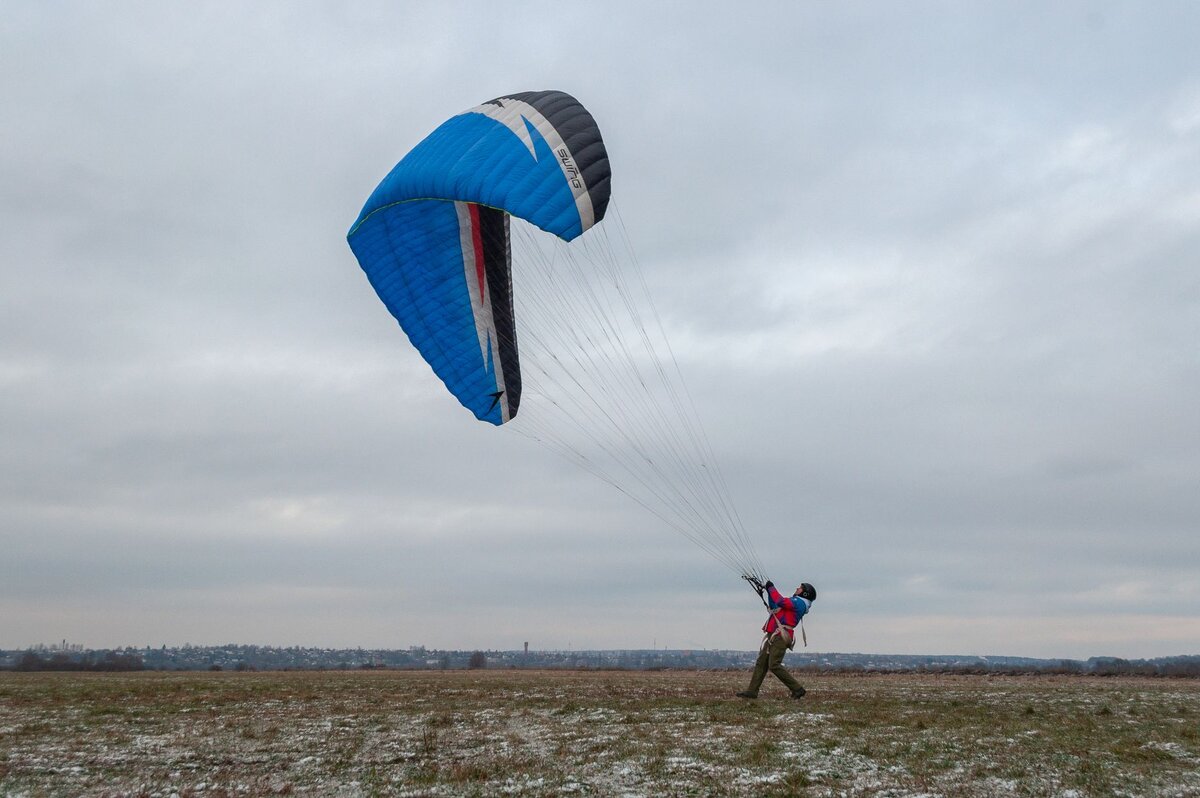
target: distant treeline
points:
(252, 658)
(82, 661)
(1183, 667)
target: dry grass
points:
(593, 733)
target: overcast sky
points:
(930, 270)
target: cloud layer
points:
(930, 274)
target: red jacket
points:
(788, 610)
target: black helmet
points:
(807, 591)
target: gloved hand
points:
(768, 585)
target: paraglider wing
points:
(436, 243)
(433, 238)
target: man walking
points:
(780, 631)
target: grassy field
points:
(545, 733)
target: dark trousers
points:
(770, 658)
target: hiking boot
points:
(746, 694)
(799, 693)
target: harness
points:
(783, 630)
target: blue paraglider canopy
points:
(433, 237)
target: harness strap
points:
(792, 629)
(783, 629)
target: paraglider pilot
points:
(780, 634)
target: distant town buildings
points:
(66, 656)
